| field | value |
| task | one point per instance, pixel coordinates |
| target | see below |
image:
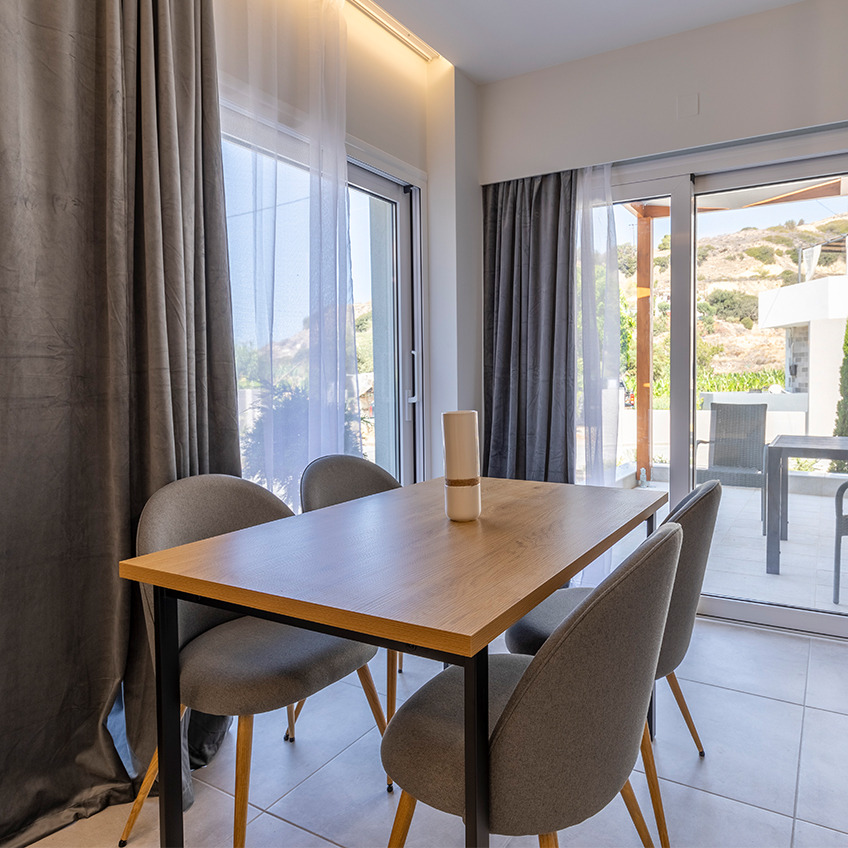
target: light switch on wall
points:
(687, 105)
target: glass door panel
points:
(771, 308)
(381, 270)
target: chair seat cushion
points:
(529, 634)
(250, 665)
(423, 747)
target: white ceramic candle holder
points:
(462, 465)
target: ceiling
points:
(491, 40)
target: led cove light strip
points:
(398, 30)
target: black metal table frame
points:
(168, 711)
(476, 669)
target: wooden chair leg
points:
(687, 717)
(289, 737)
(391, 683)
(654, 786)
(548, 840)
(293, 715)
(244, 745)
(403, 819)
(636, 814)
(400, 663)
(143, 792)
(370, 690)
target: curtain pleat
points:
(117, 368)
(528, 326)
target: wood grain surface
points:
(393, 566)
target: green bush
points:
(746, 322)
(834, 228)
(664, 243)
(784, 241)
(733, 305)
(661, 263)
(627, 259)
(704, 251)
(788, 278)
(762, 253)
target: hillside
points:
(748, 261)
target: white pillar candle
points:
(462, 465)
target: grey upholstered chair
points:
(696, 514)
(337, 478)
(233, 664)
(565, 725)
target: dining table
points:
(391, 570)
(778, 453)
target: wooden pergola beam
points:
(644, 343)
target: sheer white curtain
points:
(598, 340)
(282, 82)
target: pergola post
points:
(644, 341)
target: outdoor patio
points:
(737, 565)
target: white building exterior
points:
(813, 313)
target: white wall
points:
(826, 337)
(386, 91)
(454, 340)
(767, 73)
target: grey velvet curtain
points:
(529, 329)
(116, 368)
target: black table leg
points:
(773, 511)
(477, 750)
(651, 521)
(168, 719)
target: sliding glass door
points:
(751, 285)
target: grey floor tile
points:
(208, 823)
(331, 720)
(267, 831)
(752, 745)
(346, 802)
(695, 820)
(812, 836)
(748, 659)
(827, 682)
(823, 775)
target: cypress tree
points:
(841, 427)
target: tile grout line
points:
(305, 829)
(745, 692)
(801, 740)
(727, 798)
(296, 785)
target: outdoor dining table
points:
(778, 453)
(391, 570)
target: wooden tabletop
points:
(393, 566)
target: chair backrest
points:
(696, 514)
(197, 508)
(337, 478)
(569, 736)
(738, 435)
